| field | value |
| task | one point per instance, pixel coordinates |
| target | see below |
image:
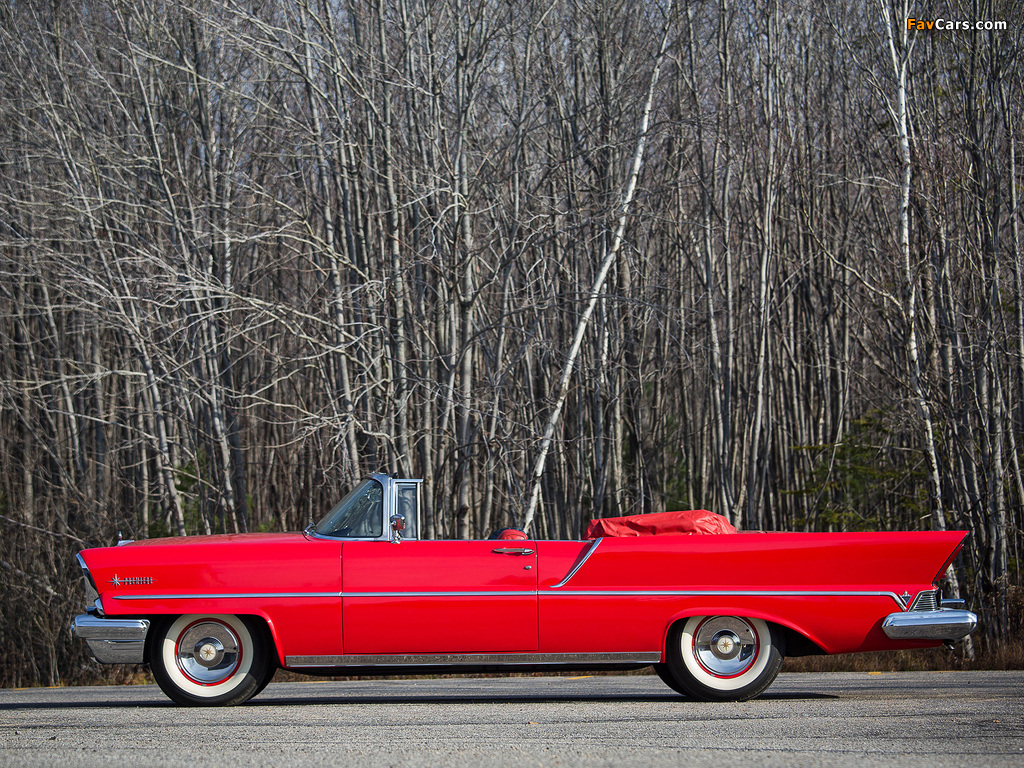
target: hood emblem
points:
(130, 580)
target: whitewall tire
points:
(210, 659)
(724, 658)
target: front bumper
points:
(940, 624)
(113, 641)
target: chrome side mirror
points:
(397, 526)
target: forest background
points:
(562, 258)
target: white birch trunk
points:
(537, 475)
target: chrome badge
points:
(130, 581)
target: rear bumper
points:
(940, 624)
(113, 641)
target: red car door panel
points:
(451, 597)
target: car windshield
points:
(359, 515)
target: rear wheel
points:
(724, 658)
(210, 660)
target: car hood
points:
(133, 575)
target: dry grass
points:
(1008, 656)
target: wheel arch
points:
(262, 620)
(799, 641)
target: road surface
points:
(908, 719)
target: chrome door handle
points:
(512, 551)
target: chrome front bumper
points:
(112, 641)
(940, 624)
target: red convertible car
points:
(359, 593)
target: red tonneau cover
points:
(660, 524)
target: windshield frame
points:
(331, 520)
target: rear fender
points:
(807, 640)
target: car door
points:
(439, 597)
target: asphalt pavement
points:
(906, 719)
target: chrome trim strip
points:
(341, 539)
(463, 659)
(249, 595)
(225, 595)
(593, 548)
(466, 593)
(533, 593)
(731, 592)
(941, 624)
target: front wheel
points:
(210, 660)
(724, 658)
(668, 679)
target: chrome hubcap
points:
(726, 646)
(208, 652)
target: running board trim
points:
(469, 659)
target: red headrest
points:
(512, 534)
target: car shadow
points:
(513, 699)
(113, 703)
(268, 698)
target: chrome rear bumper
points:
(940, 624)
(112, 641)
